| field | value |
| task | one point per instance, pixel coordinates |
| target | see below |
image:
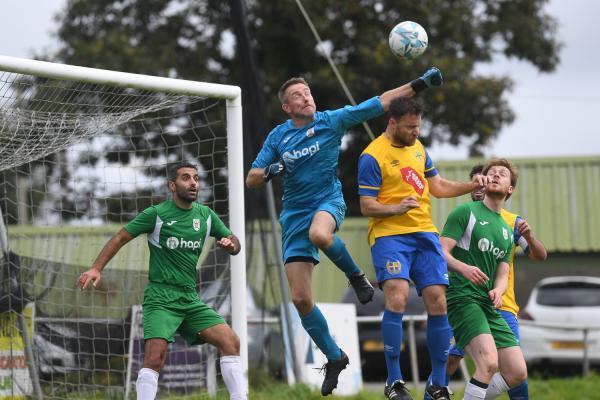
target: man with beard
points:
(395, 178)
(478, 244)
(177, 230)
(534, 248)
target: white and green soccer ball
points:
(408, 40)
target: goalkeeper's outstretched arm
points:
(432, 77)
(92, 275)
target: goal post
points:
(20, 149)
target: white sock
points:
(233, 375)
(497, 386)
(474, 392)
(146, 384)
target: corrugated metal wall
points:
(559, 197)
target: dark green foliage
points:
(186, 39)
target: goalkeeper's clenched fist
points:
(273, 170)
(433, 77)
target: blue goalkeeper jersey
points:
(311, 153)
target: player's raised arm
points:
(443, 188)
(433, 77)
(536, 249)
(92, 276)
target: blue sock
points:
(438, 343)
(341, 258)
(520, 392)
(391, 331)
(315, 324)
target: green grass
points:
(264, 388)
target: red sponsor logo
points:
(411, 177)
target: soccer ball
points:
(408, 40)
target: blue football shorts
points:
(513, 324)
(413, 256)
(295, 224)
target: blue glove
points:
(433, 77)
(273, 170)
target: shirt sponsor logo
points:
(486, 246)
(196, 224)
(411, 177)
(393, 267)
(296, 154)
(174, 243)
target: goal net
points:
(82, 151)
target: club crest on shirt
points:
(504, 233)
(196, 224)
(418, 155)
(310, 132)
(393, 267)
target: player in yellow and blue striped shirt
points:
(395, 178)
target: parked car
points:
(371, 343)
(561, 300)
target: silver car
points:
(561, 321)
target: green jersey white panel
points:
(483, 239)
(175, 238)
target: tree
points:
(193, 39)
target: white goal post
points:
(234, 169)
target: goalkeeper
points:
(177, 230)
(305, 150)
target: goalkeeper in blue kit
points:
(305, 151)
(177, 230)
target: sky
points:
(557, 114)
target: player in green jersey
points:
(177, 230)
(478, 244)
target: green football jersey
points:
(175, 238)
(483, 239)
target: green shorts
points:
(168, 310)
(470, 318)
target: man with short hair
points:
(534, 248)
(478, 244)
(177, 230)
(395, 178)
(305, 149)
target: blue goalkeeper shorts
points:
(295, 224)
